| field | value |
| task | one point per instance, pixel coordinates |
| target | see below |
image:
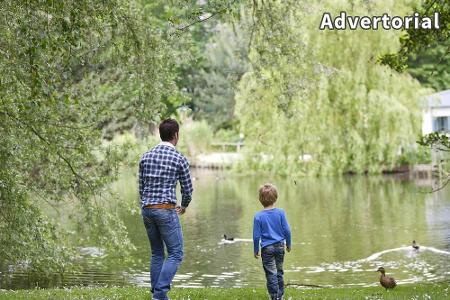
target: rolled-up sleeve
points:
(184, 177)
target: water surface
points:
(343, 229)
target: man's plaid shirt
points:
(159, 170)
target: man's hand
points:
(256, 255)
(288, 249)
(180, 210)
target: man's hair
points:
(268, 194)
(167, 129)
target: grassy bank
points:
(425, 291)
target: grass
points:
(416, 291)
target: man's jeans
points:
(272, 258)
(163, 228)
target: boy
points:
(271, 227)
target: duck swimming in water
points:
(226, 238)
(415, 246)
(386, 281)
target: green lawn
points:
(425, 291)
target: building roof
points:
(441, 99)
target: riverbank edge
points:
(410, 291)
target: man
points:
(159, 170)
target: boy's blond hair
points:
(268, 194)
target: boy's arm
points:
(256, 237)
(286, 231)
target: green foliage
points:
(436, 139)
(414, 41)
(178, 22)
(32, 242)
(137, 146)
(439, 144)
(431, 66)
(195, 137)
(414, 156)
(67, 69)
(210, 55)
(301, 98)
(225, 58)
(227, 135)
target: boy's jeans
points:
(163, 228)
(272, 259)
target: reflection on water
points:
(343, 229)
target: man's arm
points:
(184, 177)
(256, 237)
(141, 179)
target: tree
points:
(211, 56)
(65, 65)
(414, 41)
(426, 55)
(431, 66)
(317, 101)
(226, 62)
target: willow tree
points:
(317, 101)
(66, 69)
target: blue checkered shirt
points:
(159, 170)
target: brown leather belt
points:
(162, 206)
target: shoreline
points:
(410, 291)
(227, 160)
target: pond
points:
(343, 229)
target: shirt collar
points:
(167, 144)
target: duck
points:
(226, 238)
(386, 281)
(415, 246)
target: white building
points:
(436, 116)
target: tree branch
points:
(429, 7)
(198, 20)
(252, 27)
(62, 157)
(442, 186)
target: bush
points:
(195, 138)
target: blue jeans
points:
(163, 228)
(272, 259)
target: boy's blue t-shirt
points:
(270, 226)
